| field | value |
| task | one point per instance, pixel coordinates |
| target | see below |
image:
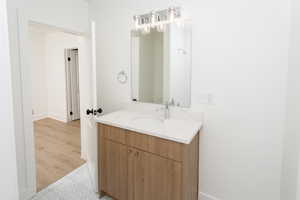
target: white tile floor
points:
(75, 186)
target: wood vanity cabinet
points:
(135, 166)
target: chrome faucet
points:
(167, 108)
(167, 111)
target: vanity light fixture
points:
(157, 19)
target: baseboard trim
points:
(50, 115)
(58, 118)
(204, 196)
(39, 117)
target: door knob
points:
(98, 111)
(89, 111)
(94, 112)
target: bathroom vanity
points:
(143, 155)
(142, 162)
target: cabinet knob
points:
(129, 151)
(137, 154)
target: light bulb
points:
(172, 14)
(153, 19)
(136, 22)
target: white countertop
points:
(174, 129)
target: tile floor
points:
(75, 186)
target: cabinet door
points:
(141, 171)
(115, 164)
(155, 178)
(134, 174)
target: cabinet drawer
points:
(113, 133)
(166, 148)
(155, 145)
(137, 140)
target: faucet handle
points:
(170, 103)
(167, 105)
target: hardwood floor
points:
(57, 150)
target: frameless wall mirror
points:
(161, 65)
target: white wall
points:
(290, 174)
(38, 74)
(240, 56)
(8, 168)
(56, 43)
(66, 14)
(48, 72)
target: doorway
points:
(56, 111)
(72, 84)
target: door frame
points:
(22, 103)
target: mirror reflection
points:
(161, 65)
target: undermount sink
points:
(147, 122)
